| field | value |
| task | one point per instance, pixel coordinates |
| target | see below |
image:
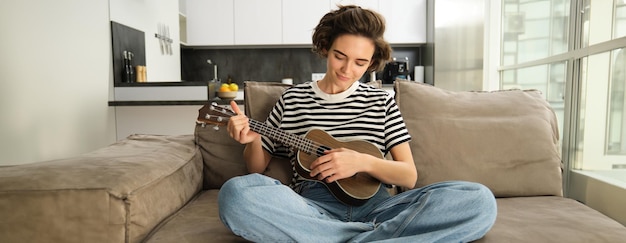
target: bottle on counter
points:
(129, 73)
(130, 66)
(125, 74)
(140, 72)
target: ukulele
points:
(354, 190)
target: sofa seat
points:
(196, 222)
(551, 219)
(520, 219)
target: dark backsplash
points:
(266, 65)
(124, 38)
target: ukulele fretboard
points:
(289, 139)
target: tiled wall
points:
(267, 64)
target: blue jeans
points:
(261, 209)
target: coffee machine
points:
(396, 69)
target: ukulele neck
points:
(288, 139)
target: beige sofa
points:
(151, 188)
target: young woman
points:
(261, 209)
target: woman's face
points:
(348, 59)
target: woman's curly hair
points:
(353, 20)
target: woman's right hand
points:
(239, 126)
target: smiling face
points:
(348, 59)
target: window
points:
(536, 30)
(579, 63)
(616, 133)
(601, 141)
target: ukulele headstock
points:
(214, 114)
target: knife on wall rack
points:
(165, 42)
(159, 35)
(168, 40)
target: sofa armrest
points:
(114, 194)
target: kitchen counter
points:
(161, 84)
(175, 93)
(171, 102)
(165, 94)
(167, 108)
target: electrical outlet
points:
(317, 76)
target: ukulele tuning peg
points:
(216, 128)
(203, 125)
(207, 116)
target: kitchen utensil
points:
(159, 35)
(168, 40)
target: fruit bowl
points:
(227, 95)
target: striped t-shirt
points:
(360, 113)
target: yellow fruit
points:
(224, 88)
(234, 87)
(225, 85)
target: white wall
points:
(55, 75)
(146, 16)
(162, 120)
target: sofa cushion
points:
(113, 194)
(260, 98)
(507, 140)
(223, 156)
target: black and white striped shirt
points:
(360, 113)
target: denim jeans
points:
(261, 209)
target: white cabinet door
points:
(300, 18)
(368, 4)
(210, 22)
(258, 22)
(406, 21)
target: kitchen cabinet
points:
(406, 21)
(297, 27)
(291, 22)
(210, 22)
(368, 4)
(258, 22)
(182, 21)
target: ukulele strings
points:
(307, 145)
